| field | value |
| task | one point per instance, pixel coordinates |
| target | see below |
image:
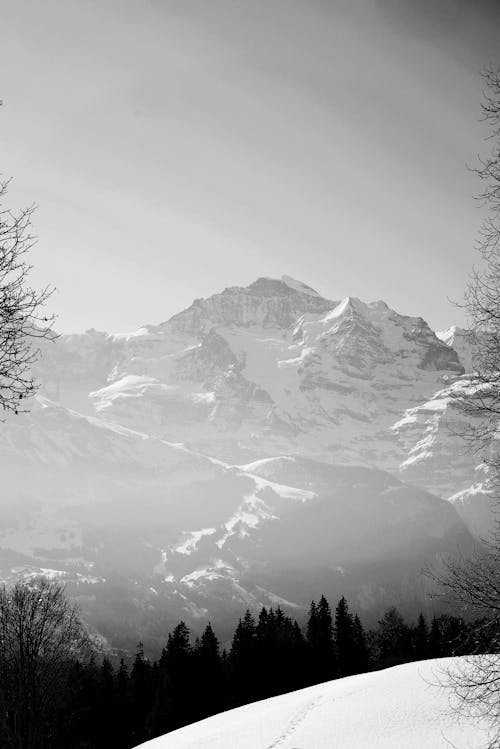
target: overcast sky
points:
(175, 148)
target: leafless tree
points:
(475, 684)
(474, 583)
(482, 296)
(22, 322)
(40, 635)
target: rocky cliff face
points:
(268, 302)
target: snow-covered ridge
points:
(440, 459)
(404, 706)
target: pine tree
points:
(243, 666)
(123, 707)
(300, 656)
(105, 719)
(280, 653)
(312, 630)
(345, 645)
(435, 641)
(421, 639)
(180, 673)
(75, 722)
(141, 689)
(160, 717)
(362, 651)
(320, 641)
(208, 675)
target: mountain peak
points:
(300, 286)
(284, 286)
(268, 302)
(352, 305)
(448, 335)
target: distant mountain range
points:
(260, 447)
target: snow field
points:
(404, 707)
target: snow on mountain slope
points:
(462, 342)
(399, 707)
(441, 460)
(361, 521)
(299, 286)
(91, 500)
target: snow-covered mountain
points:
(259, 371)
(237, 455)
(403, 706)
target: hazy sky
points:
(175, 148)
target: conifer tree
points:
(105, 718)
(345, 645)
(320, 641)
(435, 642)
(362, 651)
(243, 664)
(421, 638)
(208, 675)
(179, 673)
(122, 689)
(141, 694)
(312, 630)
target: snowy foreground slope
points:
(391, 709)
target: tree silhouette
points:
(22, 322)
(474, 583)
(421, 638)
(208, 675)
(345, 641)
(243, 664)
(320, 641)
(393, 638)
(40, 636)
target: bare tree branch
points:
(474, 583)
(22, 322)
(40, 636)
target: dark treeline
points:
(121, 706)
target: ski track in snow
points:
(295, 721)
(303, 714)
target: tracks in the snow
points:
(304, 712)
(295, 721)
